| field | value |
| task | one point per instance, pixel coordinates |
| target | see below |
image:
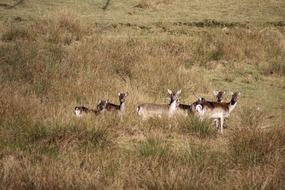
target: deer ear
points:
(201, 99)
(239, 93)
(169, 91)
(119, 93)
(126, 94)
(99, 101)
(178, 92)
(224, 92)
(215, 92)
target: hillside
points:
(55, 55)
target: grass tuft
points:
(195, 126)
(16, 33)
(153, 147)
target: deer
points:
(217, 110)
(220, 98)
(110, 107)
(186, 109)
(82, 110)
(219, 95)
(148, 110)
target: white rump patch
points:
(199, 108)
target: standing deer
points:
(157, 110)
(186, 109)
(219, 95)
(217, 110)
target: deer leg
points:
(222, 124)
(120, 115)
(217, 123)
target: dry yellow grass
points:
(57, 61)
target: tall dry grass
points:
(53, 64)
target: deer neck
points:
(172, 107)
(122, 106)
(232, 105)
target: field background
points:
(55, 55)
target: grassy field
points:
(55, 55)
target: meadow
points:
(55, 55)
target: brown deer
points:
(82, 110)
(114, 107)
(147, 110)
(219, 95)
(217, 110)
(186, 109)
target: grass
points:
(253, 148)
(158, 10)
(195, 126)
(52, 60)
(152, 147)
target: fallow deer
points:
(186, 109)
(82, 110)
(114, 107)
(157, 110)
(220, 98)
(219, 95)
(217, 110)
